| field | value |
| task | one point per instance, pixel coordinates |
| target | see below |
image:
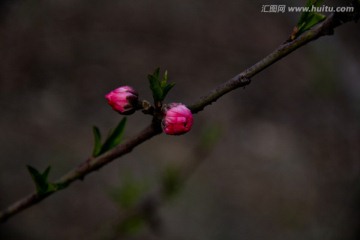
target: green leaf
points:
(159, 88)
(97, 142)
(308, 19)
(166, 76)
(40, 179)
(305, 15)
(164, 81)
(155, 87)
(167, 88)
(312, 20)
(115, 137)
(46, 172)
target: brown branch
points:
(324, 28)
(241, 80)
(83, 169)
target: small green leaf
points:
(316, 3)
(155, 87)
(164, 81)
(159, 88)
(308, 19)
(115, 137)
(166, 76)
(305, 15)
(40, 179)
(312, 20)
(46, 172)
(167, 88)
(97, 142)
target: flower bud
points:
(123, 100)
(177, 119)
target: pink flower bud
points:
(123, 100)
(178, 119)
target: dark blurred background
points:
(286, 164)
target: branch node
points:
(245, 81)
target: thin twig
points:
(83, 169)
(324, 28)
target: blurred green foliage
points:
(128, 194)
(210, 136)
(171, 181)
(131, 225)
